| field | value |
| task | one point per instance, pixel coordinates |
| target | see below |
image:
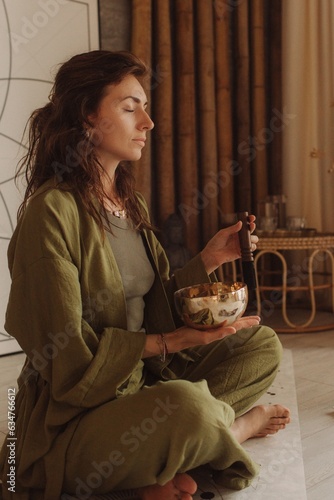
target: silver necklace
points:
(121, 214)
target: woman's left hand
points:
(224, 246)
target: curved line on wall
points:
(2, 198)
(16, 78)
(14, 140)
(10, 60)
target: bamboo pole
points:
(224, 110)
(163, 112)
(187, 179)
(209, 186)
(274, 41)
(243, 179)
(141, 46)
(262, 135)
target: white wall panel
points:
(35, 37)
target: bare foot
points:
(260, 421)
(182, 487)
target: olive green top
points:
(134, 266)
(137, 278)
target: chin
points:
(135, 157)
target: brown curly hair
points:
(59, 147)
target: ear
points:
(91, 121)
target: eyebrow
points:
(135, 99)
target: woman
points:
(115, 393)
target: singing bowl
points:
(210, 305)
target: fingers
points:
(234, 228)
(255, 317)
(254, 241)
(245, 319)
(246, 322)
(252, 225)
(218, 333)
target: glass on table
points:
(267, 223)
(294, 223)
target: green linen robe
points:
(67, 311)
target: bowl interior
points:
(209, 305)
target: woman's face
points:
(121, 123)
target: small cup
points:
(267, 208)
(295, 223)
(267, 223)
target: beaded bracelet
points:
(163, 347)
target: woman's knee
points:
(186, 400)
(272, 342)
(254, 339)
(182, 392)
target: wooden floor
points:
(313, 356)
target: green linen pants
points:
(177, 425)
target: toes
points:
(279, 421)
(185, 483)
(274, 430)
(279, 424)
(275, 426)
(283, 411)
(282, 415)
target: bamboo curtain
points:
(214, 85)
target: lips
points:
(140, 140)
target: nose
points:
(151, 123)
(147, 123)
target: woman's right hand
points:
(224, 246)
(186, 337)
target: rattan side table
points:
(319, 246)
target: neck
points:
(111, 202)
(108, 182)
(109, 165)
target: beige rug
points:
(280, 456)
